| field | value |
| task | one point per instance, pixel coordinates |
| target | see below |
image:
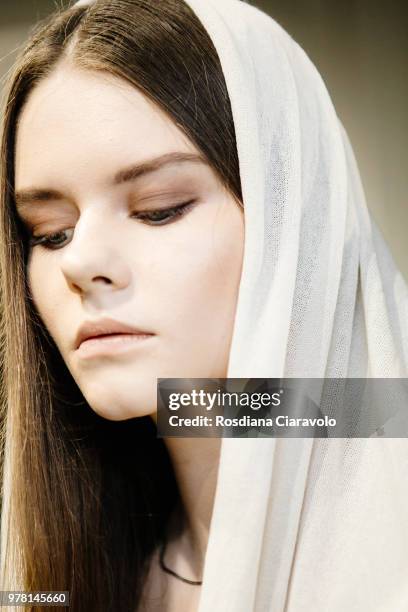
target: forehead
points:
(78, 121)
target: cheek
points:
(42, 282)
(200, 277)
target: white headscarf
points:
(316, 525)
(305, 525)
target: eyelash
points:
(173, 213)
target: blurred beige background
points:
(360, 47)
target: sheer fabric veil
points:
(305, 524)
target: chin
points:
(118, 406)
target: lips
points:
(105, 327)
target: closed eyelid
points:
(160, 196)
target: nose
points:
(94, 261)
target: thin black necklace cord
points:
(170, 571)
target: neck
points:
(195, 463)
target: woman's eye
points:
(164, 216)
(50, 241)
(161, 216)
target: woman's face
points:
(93, 161)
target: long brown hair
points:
(85, 500)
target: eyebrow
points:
(131, 173)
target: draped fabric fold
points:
(305, 524)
